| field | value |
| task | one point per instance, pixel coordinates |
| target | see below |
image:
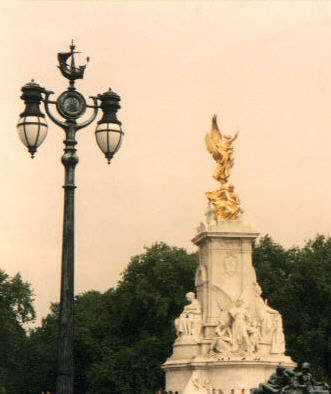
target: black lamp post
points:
(32, 130)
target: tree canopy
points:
(123, 336)
(297, 283)
(137, 321)
(16, 309)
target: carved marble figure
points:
(254, 336)
(240, 325)
(271, 323)
(222, 342)
(188, 324)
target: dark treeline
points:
(122, 336)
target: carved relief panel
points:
(204, 253)
(227, 272)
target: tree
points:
(41, 357)
(89, 334)
(123, 335)
(16, 309)
(138, 320)
(297, 283)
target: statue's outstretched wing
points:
(214, 140)
(235, 136)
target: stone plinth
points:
(229, 339)
(202, 375)
(225, 272)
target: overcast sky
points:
(264, 67)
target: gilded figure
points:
(225, 200)
(221, 148)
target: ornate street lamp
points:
(32, 130)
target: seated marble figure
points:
(222, 342)
(188, 324)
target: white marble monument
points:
(228, 338)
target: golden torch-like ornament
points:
(225, 200)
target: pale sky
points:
(264, 67)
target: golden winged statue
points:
(225, 200)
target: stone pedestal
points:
(239, 339)
(207, 376)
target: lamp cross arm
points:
(48, 111)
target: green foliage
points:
(138, 319)
(123, 336)
(41, 355)
(297, 283)
(152, 290)
(272, 265)
(16, 298)
(15, 309)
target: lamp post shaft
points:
(65, 379)
(71, 105)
